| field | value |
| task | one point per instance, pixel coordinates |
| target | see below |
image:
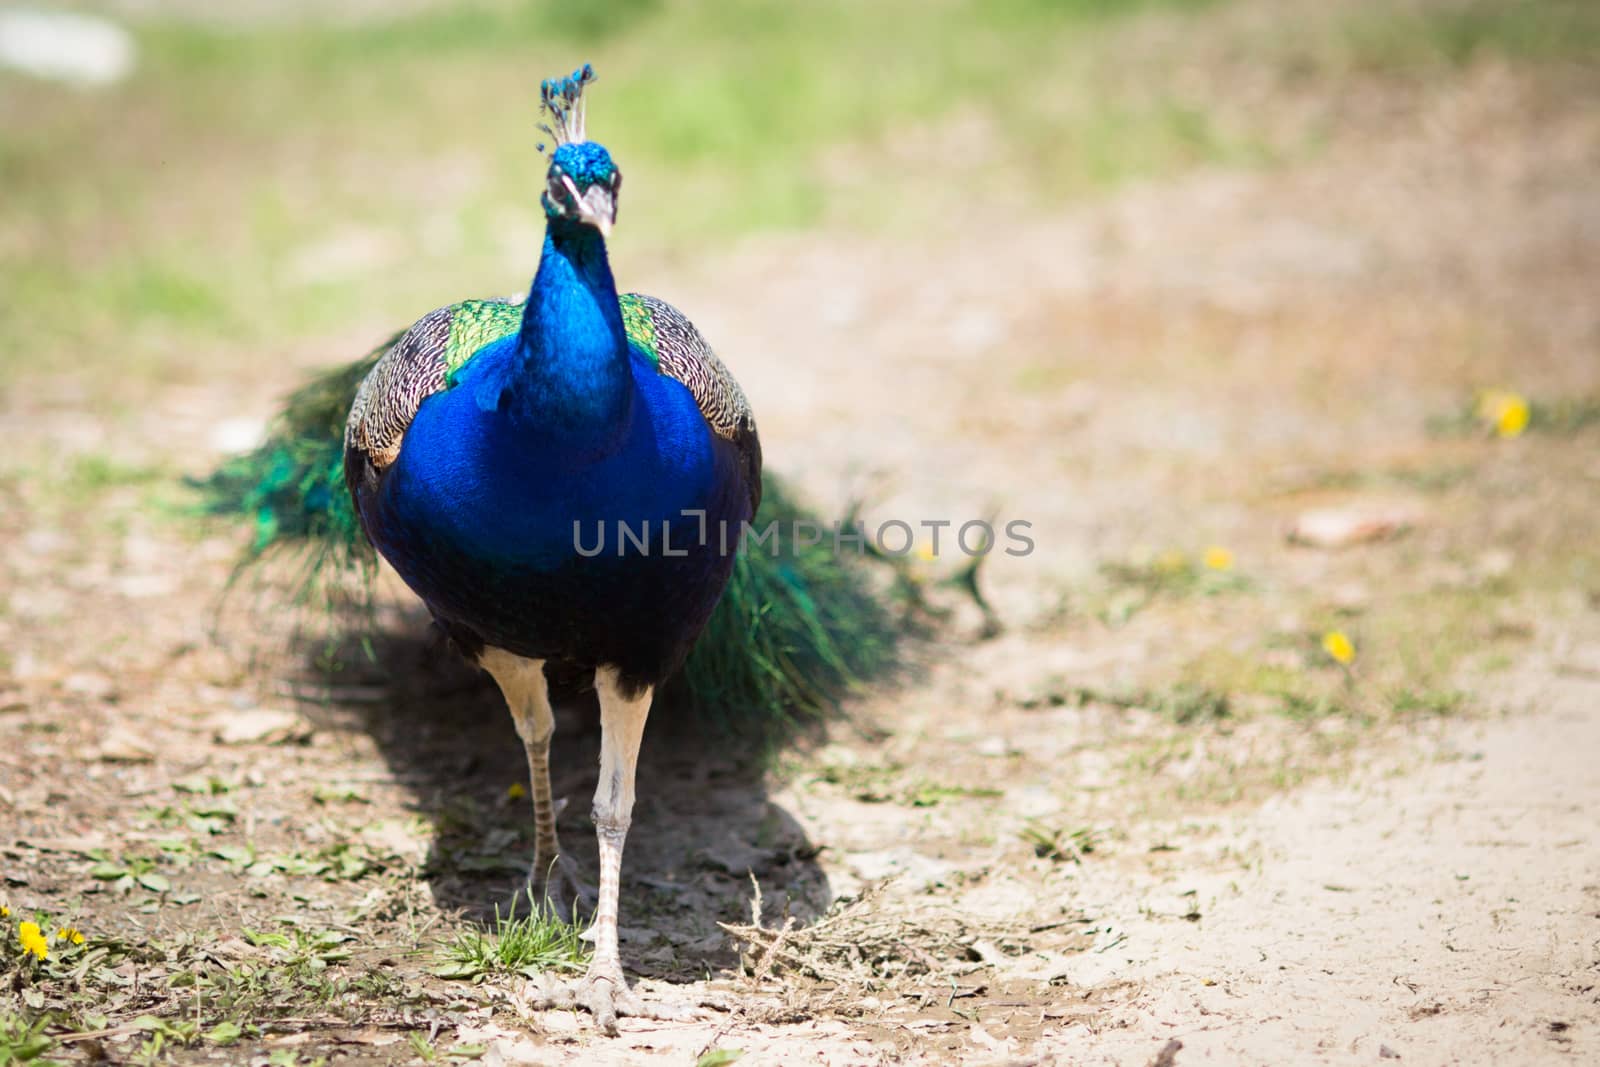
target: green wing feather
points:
(475, 323)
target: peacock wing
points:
(678, 350)
(421, 362)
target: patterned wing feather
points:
(670, 340)
(439, 344)
(418, 365)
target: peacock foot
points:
(557, 886)
(604, 993)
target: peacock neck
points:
(573, 375)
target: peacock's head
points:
(582, 186)
(583, 182)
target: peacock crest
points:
(562, 99)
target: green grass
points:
(1059, 844)
(1130, 586)
(428, 1052)
(1558, 416)
(1413, 36)
(23, 1040)
(529, 945)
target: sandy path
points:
(1450, 914)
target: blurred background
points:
(1277, 320)
(188, 182)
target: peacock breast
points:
(526, 493)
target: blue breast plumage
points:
(519, 533)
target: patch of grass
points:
(1561, 417)
(93, 472)
(1428, 478)
(1186, 703)
(125, 873)
(857, 776)
(302, 950)
(884, 784)
(340, 861)
(296, 974)
(1406, 37)
(1058, 843)
(23, 1040)
(537, 942)
(340, 794)
(428, 1052)
(288, 1057)
(1173, 573)
(1406, 701)
(1260, 680)
(1407, 655)
(200, 988)
(1133, 585)
(929, 794)
(719, 1057)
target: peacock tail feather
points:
(792, 634)
(291, 487)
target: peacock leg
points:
(603, 991)
(553, 878)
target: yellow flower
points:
(32, 940)
(1513, 418)
(1504, 410)
(1337, 645)
(925, 552)
(5, 912)
(1218, 558)
(70, 933)
(517, 791)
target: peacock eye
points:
(616, 180)
(558, 189)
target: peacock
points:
(562, 480)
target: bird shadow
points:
(704, 823)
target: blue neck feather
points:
(560, 422)
(569, 374)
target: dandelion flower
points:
(1506, 412)
(5, 911)
(70, 933)
(1218, 558)
(1513, 417)
(33, 940)
(517, 791)
(1337, 645)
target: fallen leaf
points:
(122, 745)
(1342, 527)
(259, 726)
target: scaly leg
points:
(603, 991)
(553, 878)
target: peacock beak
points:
(598, 207)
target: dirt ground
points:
(1110, 825)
